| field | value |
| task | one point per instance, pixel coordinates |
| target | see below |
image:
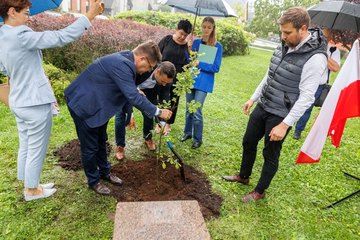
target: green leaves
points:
(185, 81)
(193, 106)
(268, 12)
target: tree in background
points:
(267, 12)
(346, 38)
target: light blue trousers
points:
(34, 127)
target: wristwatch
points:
(159, 113)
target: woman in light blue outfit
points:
(204, 83)
(31, 97)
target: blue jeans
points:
(194, 121)
(300, 125)
(122, 118)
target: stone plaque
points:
(162, 220)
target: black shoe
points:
(111, 178)
(196, 145)
(297, 135)
(185, 137)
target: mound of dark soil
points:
(69, 155)
(146, 180)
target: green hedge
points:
(59, 79)
(104, 37)
(3, 78)
(231, 35)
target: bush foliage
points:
(104, 37)
(59, 80)
(229, 33)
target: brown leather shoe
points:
(150, 144)
(101, 189)
(119, 153)
(113, 180)
(253, 196)
(237, 178)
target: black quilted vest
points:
(281, 90)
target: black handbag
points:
(320, 100)
(326, 89)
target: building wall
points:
(80, 6)
(76, 6)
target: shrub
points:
(165, 19)
(59, 80)
(104, 37)
(230, 33)
(3, 78)
(233, 38)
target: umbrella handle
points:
(196, 14)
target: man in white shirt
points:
(283, 96)
(333, 66)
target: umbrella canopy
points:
(337, 15)
(215, 8)
(39, 6)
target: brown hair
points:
(19, 5)
(298, 16)
(212, 37)
(168, 69)
(150, 49)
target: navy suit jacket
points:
(103, 89)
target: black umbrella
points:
(337, 15)
(214, 8)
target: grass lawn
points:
(292, 209)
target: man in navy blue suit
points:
(97, 94)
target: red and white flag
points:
(342, 102)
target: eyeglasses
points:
(151, 67)
(27, 14)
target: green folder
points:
(208, 53)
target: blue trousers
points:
(93, 150)
(301, 123)
(194, 123)
(122, 119)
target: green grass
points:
(292, 209)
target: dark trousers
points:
(174, 105)
(260, 124)
(148, 123)
(93, 150)
(301, 123)
(167, 93)
(122, 119)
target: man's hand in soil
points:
(165, 114)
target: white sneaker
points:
(46, 193)
(47, 185)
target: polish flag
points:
(342, 102)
